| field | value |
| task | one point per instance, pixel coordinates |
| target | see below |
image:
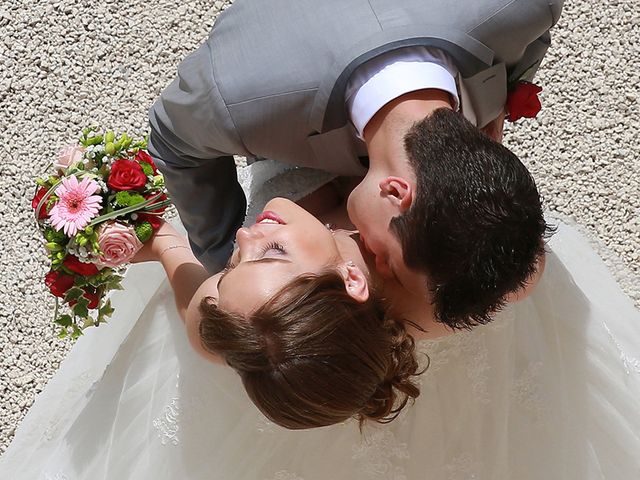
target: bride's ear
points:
(355, 282)
(398, 190)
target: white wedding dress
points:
(549, 390)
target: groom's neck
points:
(384, 134)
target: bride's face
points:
(285, 242)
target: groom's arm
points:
(525, 69)
(192, 137)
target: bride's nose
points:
(245, 236)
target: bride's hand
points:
(164, 238)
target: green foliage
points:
(144, 231)
(81, 309)
(114, 283)
(64, 320)
(105, 311)
(73, 293)
(147, 169)
(158, 181)
(128, 199)
(54, 236)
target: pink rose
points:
(118, 244)
(68, 156)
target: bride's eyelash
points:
(273, 246)
(229, 266)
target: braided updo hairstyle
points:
(312, 356)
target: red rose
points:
(75, 265)
(44, 211)
(126, 175)
(89, 295)
(93, 299)
(154, 217)
(523, 101)
(58, 282)
(143, 156)
(154, 220)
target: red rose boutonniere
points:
(523, 101)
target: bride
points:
(548, 389)
(296, 315)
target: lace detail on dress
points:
(57, 476)
(377, 453)
(463, 468)
(167, 423)
(468, 346)
(284, 475)
(526, 391)
(630, 363)
(78, 384)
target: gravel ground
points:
(66, 64)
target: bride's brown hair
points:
(312, 356)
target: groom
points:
(393, 90)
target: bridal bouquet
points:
(103, 200)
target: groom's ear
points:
(355, 282)
(398, 191)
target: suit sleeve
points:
(528, 65)
(192, 139)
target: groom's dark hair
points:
(475, 225)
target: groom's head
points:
(458, 218)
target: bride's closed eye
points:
(273, 247)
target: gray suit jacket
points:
(270, 81)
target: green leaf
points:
(80, 309)
(124, 211)
(88, 322)
(146, 168)
(144, 231)
(76, 332)
(73, 293)
(113, 283)
(63, 333)
(54, 236)
(64, 320)
(106, 310)
(128, 199)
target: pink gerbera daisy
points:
(76, 206)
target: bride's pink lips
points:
(269, 215)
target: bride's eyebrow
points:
(260, 260)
